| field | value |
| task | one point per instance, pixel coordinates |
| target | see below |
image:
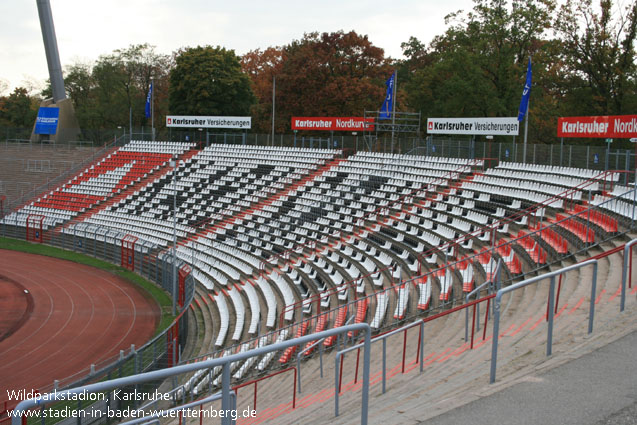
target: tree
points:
(477, 67)
(599, 56)
(329, 74)
(209, 81)
(18, 109)
(122, 80)
(261, 67)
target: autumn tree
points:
(209, 81)
(328, 74)
(261, 66)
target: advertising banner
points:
(332, 123)
(47, 120)
(509, 126)
(237, 123)
(603, 127)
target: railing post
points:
(496, 331)
(473, 324)
(225, 393)
(336, 383)
(384, 363)
(627, 257)
(404, 350)
(422, 344)
(591, 314)
(366, 363)
(298, 368)
(551, 316)
(466, 320)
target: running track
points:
(78, 315)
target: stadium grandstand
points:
(264, 247)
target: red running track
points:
(78, 316)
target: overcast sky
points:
(86, 29)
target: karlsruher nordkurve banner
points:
(603, 127)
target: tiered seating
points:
(488, 263)
(289, 352)
(101, 181)
(255, 307)
(321, 323)
(282, 335)
(510, 259)
(622, 205)
(239, 309)
(550, 236)
(535, 251)
(403, 299)
(300, 232)
(224, 314)
(576, 227)
(607, 223)
(341, 317)
(424, 289)
(382, 300)
(446, 280)
(467, 277)
(361, 312)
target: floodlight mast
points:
(51, 50)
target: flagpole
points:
(393, 110)
(526, 131)
(152, 106)
(273, 104)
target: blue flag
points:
(526, 93)
(386, 109)
(148, 97)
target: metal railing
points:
(551, 312)
(225, 362)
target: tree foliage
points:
(327, 74)
(583, 55)
(477, 67)
(18, 109)
(209, 81)
(121, 84)
(261, 66)
(599, 56)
